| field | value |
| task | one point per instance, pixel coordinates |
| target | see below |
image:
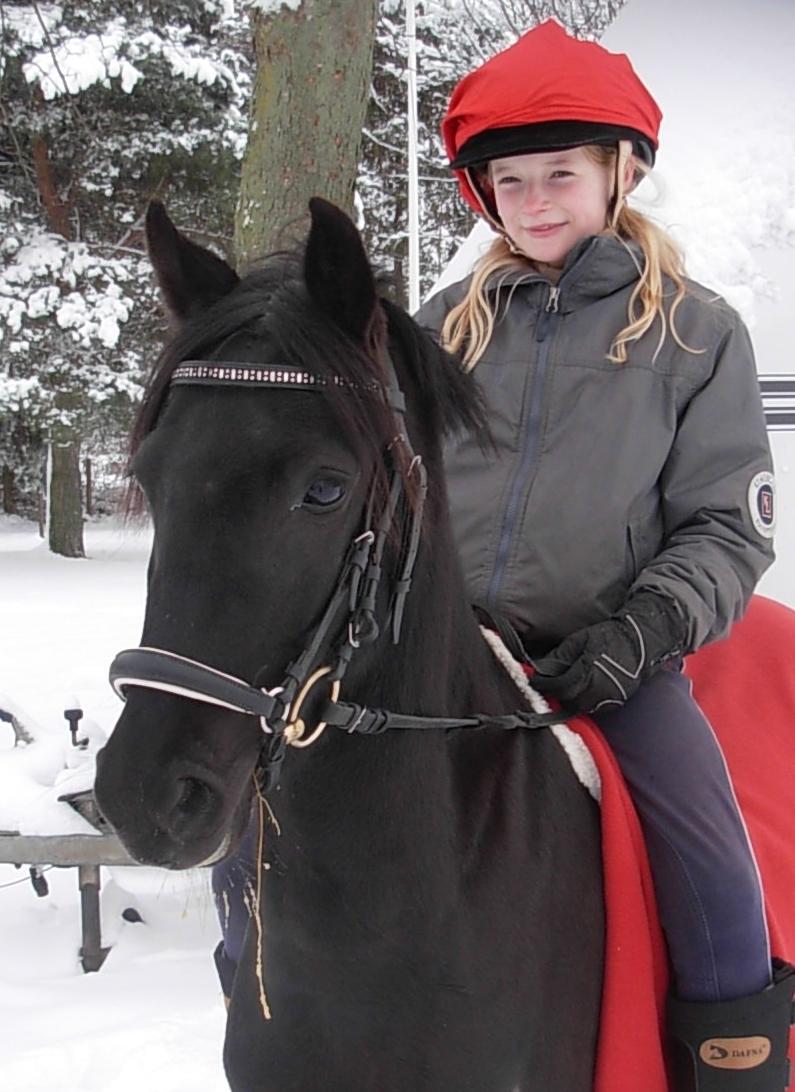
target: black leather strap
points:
(156, 669)
(365, 721)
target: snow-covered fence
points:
(86, 852)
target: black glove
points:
(603, 665)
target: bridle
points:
(351, 613)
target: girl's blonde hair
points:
(469, 325)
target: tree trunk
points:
(89, 484)
(65, 523)
(401, 256)
(57, 209)
(314, 67)
(9, 491)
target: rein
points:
(354, 597)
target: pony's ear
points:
(190, 276)
(336, 270)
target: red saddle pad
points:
(746, 687)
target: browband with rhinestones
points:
(233, 373)
(261, 375)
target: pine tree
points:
(104, 106)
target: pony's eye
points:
(324, 493)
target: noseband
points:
(353, 600)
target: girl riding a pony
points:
(625, 512)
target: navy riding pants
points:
(234, 884)
(705, 874)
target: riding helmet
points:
(547, 91)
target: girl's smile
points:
(548, 201)
(542, 230)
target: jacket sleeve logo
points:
(762, 503)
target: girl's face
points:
(548, 201)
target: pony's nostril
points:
(195, 801)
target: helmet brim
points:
(548, 136)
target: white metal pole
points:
(413, 209)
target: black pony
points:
(430, 916)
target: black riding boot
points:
(734, 1046)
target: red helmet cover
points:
(547, 76)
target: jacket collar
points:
(596, 267)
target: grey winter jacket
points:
(610, 478)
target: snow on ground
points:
(153, 1016)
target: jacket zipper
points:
(530, 445)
